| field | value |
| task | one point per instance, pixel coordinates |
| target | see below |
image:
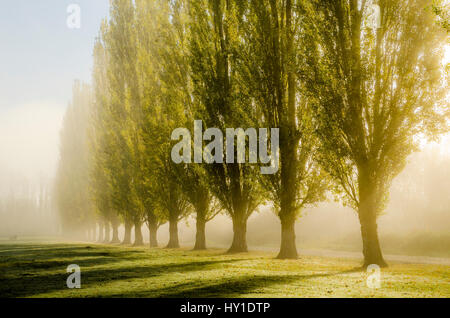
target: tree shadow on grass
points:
(33, 262)
(228, 287)
(43, 270)
(14, 257)
(59, 250)
(27, 286)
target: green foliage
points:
(442, 10)
(101, 136)
(271, 60)
(374, 91)
(221, 101)
(120, 42)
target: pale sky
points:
(39, 59)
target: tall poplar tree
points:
(101, 141)
(375, 90)
(120, 42)
(271, 58)
(73, 199)
(224, 103)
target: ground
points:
(31, 269)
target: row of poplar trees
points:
(349, 95)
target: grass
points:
(30, 269)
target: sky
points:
(40, 57)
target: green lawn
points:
(30, 269)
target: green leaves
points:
(372, 91)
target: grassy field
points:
(31, 269)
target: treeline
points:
(349, 96)
(24, 208)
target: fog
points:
(29, 137)
(416, 221)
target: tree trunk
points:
(100, 232)
(173, 231)
(153, 233)
(138, 239)
(371, 245)
(367, 212)
(239, 244)
(107, 232)
(115, 231)
(288, 249)
(200, 236)
(288, 133)
(127, 235)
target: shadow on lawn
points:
(43, 270)
(32, 282)
(28, 262)
(58, 250)
(228, 287)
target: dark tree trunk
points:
(367, 212)
(200, 236)
(287, 215)
(173, 231)
(138, 239)
(107, 232)
(115, 232)
(289, 138)
(153, 233)
(371, 244)
(127, 235)
(239, 244)
(100, 232)
(288, 249)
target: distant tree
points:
(147, 71)
(163, 77)
(71, 184)
(120, 43)
(374, 91)
(101, 140)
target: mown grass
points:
(39, 270)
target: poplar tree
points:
(375, 89)
(101, 141)
(120, 42)
(271, 56)
(164, 88)
(224, 103)
(73, 199)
